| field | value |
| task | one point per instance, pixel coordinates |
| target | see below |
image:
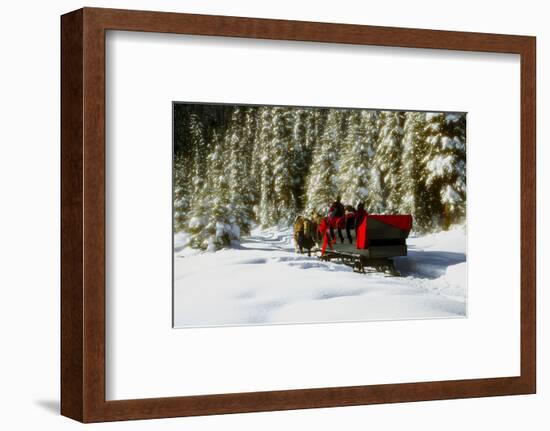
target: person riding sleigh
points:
(336, 218)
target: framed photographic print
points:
(267, 215)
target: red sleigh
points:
(375, 241)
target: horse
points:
(305, 234)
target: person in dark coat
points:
(339, 209)
(336, 214)
(350, 221)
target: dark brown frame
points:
(83, 214)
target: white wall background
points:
(29, 220)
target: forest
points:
(239, 166)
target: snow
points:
(440, 165)
(452, 118)
(197, 222)
(263, 281)
(181, 245)
(430, 116)
(451, 143)
(449, 195)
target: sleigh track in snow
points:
(358, 263)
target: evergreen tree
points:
(445, 161)
(322, 184)
(181, 192)
(356, 159)
(282, 155)
(302, 150)
(249, 154)
(413, 170)
(387, 161)
(313, 121)
(376, 200)
(199, 213)
(266, 211)
(200, 153)
(195, 208)
(222, 228)
(240, 196)
(256, 169)
(182, 172)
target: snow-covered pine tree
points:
(182, 170)
(322, 187)
(356, 157)
(282, 155)
(387, 162)
(200, 152)
(194, 210)
(181, 192)
(445, 161)
(312, 122)
(256, 160)
(222, 227)
(198, 216)
(413, 170)
(266, 211)
(251, 184)
(302, 145)
(239, 176)
(376, 201)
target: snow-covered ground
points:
(263, 281)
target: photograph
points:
(288, 214)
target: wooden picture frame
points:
(83, 336)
